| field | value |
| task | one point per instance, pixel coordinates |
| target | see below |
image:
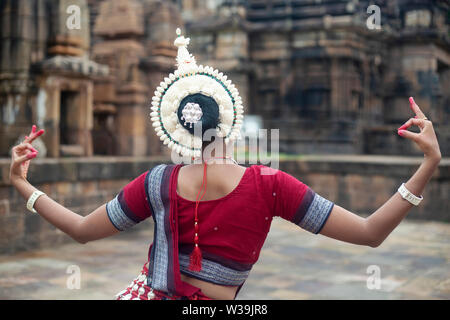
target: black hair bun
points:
(210, 110)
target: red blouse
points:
(232, 229)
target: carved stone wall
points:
(46, 76)
(135, 39)
(315, 70)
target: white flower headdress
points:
(187, 80)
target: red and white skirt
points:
(139, 290)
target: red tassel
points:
(195, 260)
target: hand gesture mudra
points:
(22, 154)
(426, 138)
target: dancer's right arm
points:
(94, 226)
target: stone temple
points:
(334, 76)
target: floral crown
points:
(176, 105)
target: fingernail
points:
(40, 132)
(401, 132)
(411, 103)
(34, 149)
(31, 155)
(33, 128)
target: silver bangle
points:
(407, 195)
(32, 199)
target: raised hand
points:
(426, 138)
(22, 154)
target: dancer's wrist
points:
(17, 181)
(432, 160)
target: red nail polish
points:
(401, 132)
(411, 103)
(31, 155)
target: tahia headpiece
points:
(194, 94)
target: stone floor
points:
(413, 263)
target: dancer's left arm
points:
(372, 231)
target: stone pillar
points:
(132, 118)
(85, 118)
(62, 39)
(49, 102)
(17, 40)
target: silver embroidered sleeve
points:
(117, 216)
(317, 214)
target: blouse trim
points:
(313, 212)
(118, 214)
(214, 272)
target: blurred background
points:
(334, 76)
